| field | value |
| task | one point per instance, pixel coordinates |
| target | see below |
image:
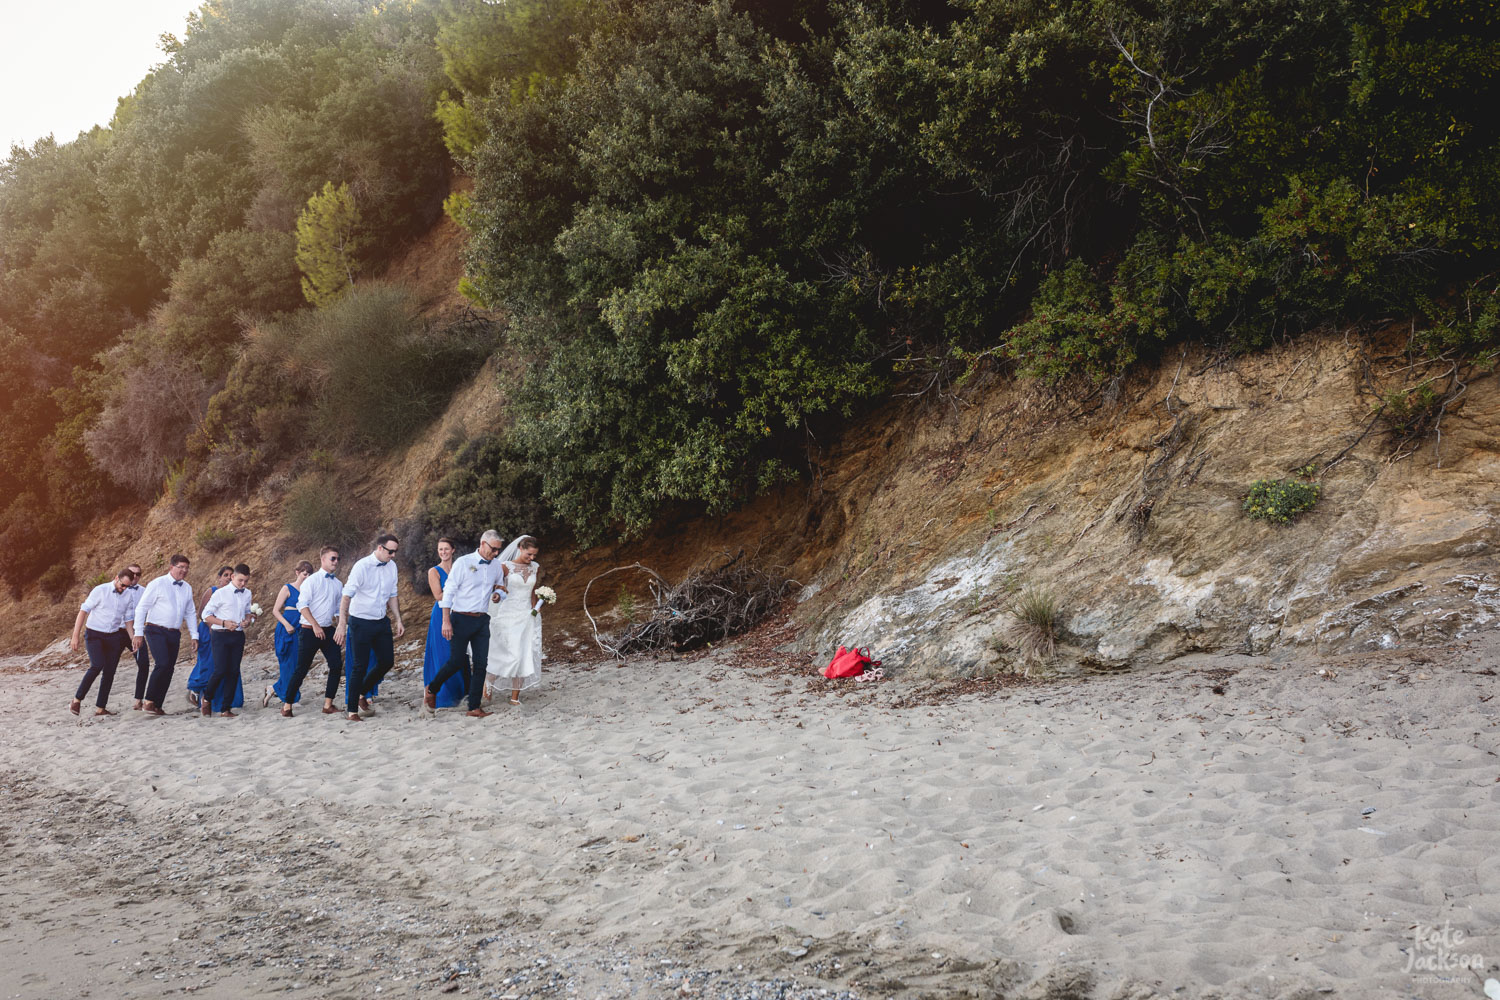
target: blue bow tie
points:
(176, 583)
(239, 590)
(330, 576)
(484, 562)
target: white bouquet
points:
(255, 611)
(544, 595)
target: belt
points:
(163, 629)
(473, 614)
(103, 635)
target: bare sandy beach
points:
(1226, 827)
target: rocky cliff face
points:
(1129, 512)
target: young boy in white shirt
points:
(227, 614)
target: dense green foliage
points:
(718, 228)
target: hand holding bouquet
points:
(544, 595)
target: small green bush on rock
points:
(1280, 500)
(213, 539)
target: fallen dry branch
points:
(708, 606)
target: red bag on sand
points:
(849, 663)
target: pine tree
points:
(328, 242)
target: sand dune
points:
(1127, 836)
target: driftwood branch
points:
(707, 606)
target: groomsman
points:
(369, 610)
(318, 605)
(466, 620)
(142, 655)
(104, 613)
(226, 613)
(165, 609)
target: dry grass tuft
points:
(1036, 625)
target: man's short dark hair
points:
(240, 569)
(127, 571)
(329, 548)
(179, 559)
(387, 538)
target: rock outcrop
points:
(1129, 513)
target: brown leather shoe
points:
(329, 710)
(429, 700)
(207, 709)
(477, 713)
(228, 715)
(354, 717)
(365, 706)
(286, 711)
(151, 709)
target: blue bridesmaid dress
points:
(436, 653)
(286, 646)
(203, 669)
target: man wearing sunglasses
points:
(318, 604)
(371, 615)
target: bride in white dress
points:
(516, 622)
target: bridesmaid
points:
(436, 653)
(288, 628)
(204, 667)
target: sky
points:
(63, 63)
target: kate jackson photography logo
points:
(1441, 950)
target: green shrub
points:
(211, 539)
(1280, 500)
(56, 580)
(375, 370)
(319, 511)
(1037, 622)
(490, 486)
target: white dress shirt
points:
(230, 604)
(108, 610)
(166, 602)
(319, 596)
(134, 592)
(371, 584)
(471, 581)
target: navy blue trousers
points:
(227, 648)
(364, 636)
(104, 649)
(165, 644)
(471, 643)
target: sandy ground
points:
(1224, 827)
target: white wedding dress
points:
(516, 633)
